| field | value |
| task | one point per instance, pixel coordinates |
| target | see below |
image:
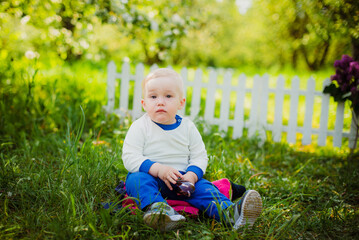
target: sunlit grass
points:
(59, 163)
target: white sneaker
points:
(162, 216)
(246, 210)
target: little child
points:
(161, 147)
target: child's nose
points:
(160, 101)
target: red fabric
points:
(223, 185)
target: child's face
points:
(162, 100)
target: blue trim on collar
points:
(168, 127)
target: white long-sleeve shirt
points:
(179, 148)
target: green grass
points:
(55, 171)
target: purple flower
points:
(334, 77)
(354, 69)
(347, 81)
(347, 59)
(337, 63)
(343, 63)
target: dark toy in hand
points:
(184, 188)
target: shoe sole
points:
(163, 222)
(251, 208)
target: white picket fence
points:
(257, 122)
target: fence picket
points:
(210, 99)
(253, 118)
(293, 115)
(239, 109)
(225, 103)
(263, 106)
(309, 103)
(322, 136)
(125, 82)
(111, 86)
(278, 112)
(137, 106)
(184, 78)
(196, 94)
(153, 67)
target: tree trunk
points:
(319, 55)
(355, 48)
(295, 58)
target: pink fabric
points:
(182, 206)
(223, 185)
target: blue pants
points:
(147, 189)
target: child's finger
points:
(173, 179)
(178, 175)
(168, 185)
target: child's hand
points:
(167, 174)
(190, 177)
(184, 188)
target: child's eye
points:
(169, 96)
(153, 97)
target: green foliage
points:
(58, 28)
(60, 154)
(303, 31)
(156, 26)
(303, 34)
(59, 163)
(68, 29)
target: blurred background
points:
(60, 153)
(262, 34)
(54, 53)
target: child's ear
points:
(182, 102)
(143, 104)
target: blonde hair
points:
(164, 72)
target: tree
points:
(317, 34)
(345, 15)
(67, 26)
(60, 26)
(305, 27)
(157, 26)
(220, 37)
